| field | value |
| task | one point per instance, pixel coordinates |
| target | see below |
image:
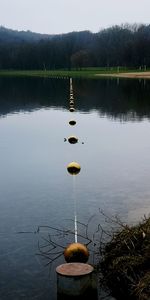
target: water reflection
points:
(126, 100)
(22, 94)
(35, 188)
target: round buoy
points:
(72, 105)
(72, 109)
(73, 168)
(76, 252)
(72, 122)
(72, 139)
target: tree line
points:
(127, 45)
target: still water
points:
(113, 129)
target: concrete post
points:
(75, 281)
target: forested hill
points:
(14, 36)
(126, 45)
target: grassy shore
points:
(84, 73)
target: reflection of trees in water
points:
(124, 99)
(27, 94)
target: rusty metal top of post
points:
(74, 269)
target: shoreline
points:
(133, 75)
(93, 74)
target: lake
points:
(37, 193)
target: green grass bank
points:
(84, 73)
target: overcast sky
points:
(60, 16)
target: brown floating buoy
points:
(76, 252)
(72, 139)
(73, 168)
(72, 122)
(72, 109)
(72, 105)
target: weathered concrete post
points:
(75, 281)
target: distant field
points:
(84, 73)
